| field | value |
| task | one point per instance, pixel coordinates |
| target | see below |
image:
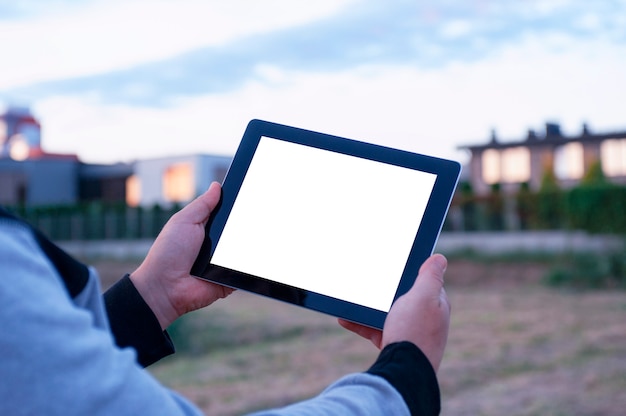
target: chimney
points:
(494, 136)
(586, 131)
(553, 130)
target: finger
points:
(218, 290)
(374, 335)
(430, 278)
(198, 210)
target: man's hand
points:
(421, 316)
(163, 278)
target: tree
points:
(495, 208)
(550, 206)
(525, 206)
(468, 206)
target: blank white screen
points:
(326, 222)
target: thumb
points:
(430, 277)
(198, 210)
(422, 315)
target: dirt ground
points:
(516, 347)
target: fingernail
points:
(441, 262)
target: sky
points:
(120, 80)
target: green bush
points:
(589, 271)
(549, 208)
(599, 208)
(596, 205)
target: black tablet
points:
(331, 224)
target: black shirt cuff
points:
(133, 323)
(408, 370)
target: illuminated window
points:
(516, 165)
(18, 148)
(569, 161)
(133, 191)
(613, 157)
(178, 184)
(4, 132)
(491, 166)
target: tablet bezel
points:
(447, 173)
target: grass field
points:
(516, 347)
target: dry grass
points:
(515, 347)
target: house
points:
(569, 157)
(28, 175)
(174, 179)
(33, 177)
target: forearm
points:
(410, 372)
(401, 382)
(353, 395)
(134, 325)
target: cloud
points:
(422, 76)
(165, 62)
(422, 110)
(64, 40)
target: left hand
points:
(372, 334)
(420, 316)
(163, 279)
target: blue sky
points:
(120, 80)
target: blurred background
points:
(114, 114)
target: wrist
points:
(133, 324)
(153, 296)
(410, 372)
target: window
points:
(18, 148)
(133, 191)
(515, 165)
(491, 166)
(613, 157)
(178, 184)
(4, 132)
(569, 161)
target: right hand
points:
(163, 278)
(420, 316)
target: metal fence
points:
(596, 210)
(98, 221)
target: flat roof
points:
(546, 140)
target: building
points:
(175, 179)
(38, 182)
(28, 175)
(33, 177)
(510, 163)
(20, 134)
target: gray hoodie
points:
(60, 357)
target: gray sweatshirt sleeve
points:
(58, 357)
(356, 394)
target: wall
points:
(43, 182)
(532, 242)
(150, 174)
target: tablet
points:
(331, 224)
